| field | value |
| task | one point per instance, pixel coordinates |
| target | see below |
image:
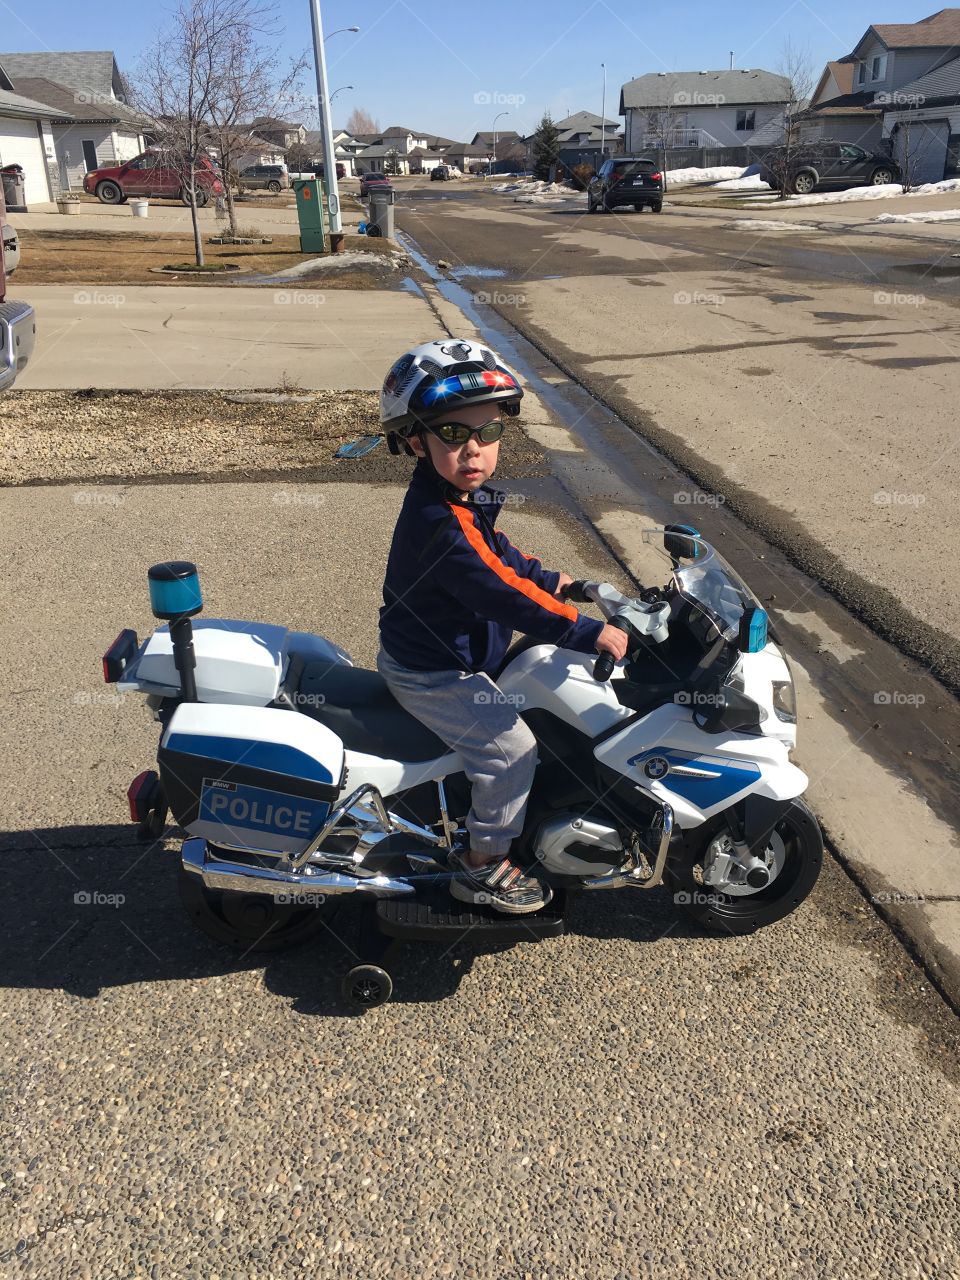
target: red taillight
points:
(656, 177)
(141, 793)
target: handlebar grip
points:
(574, 591)
(603, 667)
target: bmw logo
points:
(656, 767)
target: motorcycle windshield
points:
(712, 586)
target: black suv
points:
(826, 164)
(634, 180)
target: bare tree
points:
(201, 80)
(666, 127)
(248, 85)
(796, 67)
(361, 121)
(175, 85)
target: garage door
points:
(925, 143)
(20, 144)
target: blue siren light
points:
(753, 630)
(174, 590)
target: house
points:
(506, 147)
(582, 138)
(736, 108)
(401, 150)
(468, 156)
(90, 133)
(89, 118)
(281, 132)
(869, 95)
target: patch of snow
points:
(720, 173)
(749, 182)
(939, 215)
(768, 224)
(885, 191)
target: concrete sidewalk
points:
(171, 337)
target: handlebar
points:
(603, 667)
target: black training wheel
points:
(366, 986)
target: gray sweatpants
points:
(473, 716)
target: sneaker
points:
(500, 884)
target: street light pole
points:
(340, 90)
(603, 115)
(326, 131)
(495, 119)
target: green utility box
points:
(310, 214)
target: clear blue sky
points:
(422, 63)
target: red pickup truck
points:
(149, 175)
(18, 328)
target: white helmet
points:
(438, 376)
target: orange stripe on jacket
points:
(508, 575)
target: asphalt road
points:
(808, 379)
(632, 1100)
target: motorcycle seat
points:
(359, 708)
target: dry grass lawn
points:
(103, 257)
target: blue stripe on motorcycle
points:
(274, 756)
(703, 792)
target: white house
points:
(921, 120)
(703, 108)
(26, 139)
(93, 125)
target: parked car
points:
(634, 180)
(318, 170)
(265, 177)
(440, 174)
(150, 174)
(368, 180)
(826, 163)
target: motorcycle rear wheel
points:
(248, 921)
(741, 914)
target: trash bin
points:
(380, 220)
(14, 187)
(310, 215)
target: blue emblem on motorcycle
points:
(656, 767)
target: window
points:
(849, 152)
(878, 68)
(746, 121)
(861, 73)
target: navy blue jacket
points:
(456, 589)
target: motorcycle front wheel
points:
(794, 853)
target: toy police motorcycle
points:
(298, 779)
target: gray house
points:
(93, 125)
(738, 108)
(897, 87)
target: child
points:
(454, 592)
